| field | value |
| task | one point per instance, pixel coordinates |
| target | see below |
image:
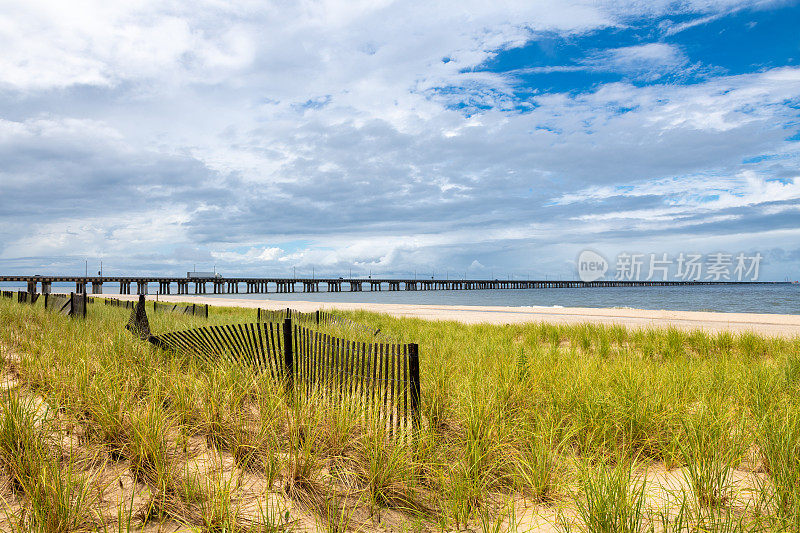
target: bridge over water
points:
(251, 285)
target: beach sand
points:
(786, 326)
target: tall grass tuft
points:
(22, 450)
(710, 451)
(384, 471)
(538, 468)
(611, 501)
(779, 440)
(62, 499)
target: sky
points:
(388, 138)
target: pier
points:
(250, 285)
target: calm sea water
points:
(783, 299)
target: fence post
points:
(316, 316)
(288, 355)
(413, 384)
(85, 303)
(206, 310)
(258, 315)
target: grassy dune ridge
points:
(570, 428)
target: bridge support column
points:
(141, 287)
(199, 287)
(374, 285)
(355, 286)
(97, 287)
(80, 287)
(46, 287)
(32, 287)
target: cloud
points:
(328, 135)
(252, 255)
(648, 61)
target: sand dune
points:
(763, 324)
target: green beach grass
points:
(524, 427)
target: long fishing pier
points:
(232, 285)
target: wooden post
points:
(413, 384)
(288, 355)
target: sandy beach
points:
(776, 325)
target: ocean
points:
(781, 299)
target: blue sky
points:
(389, 137)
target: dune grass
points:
(570, 423)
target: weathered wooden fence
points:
(380, 379)
(116, 302)
(193, 309)
(8, 294)
(315, 317)
(25, 297)
(72, 305)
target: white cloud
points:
(198, 111)
(647, 61)
(252, 255)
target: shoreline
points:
(772, 325)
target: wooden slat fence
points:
(193, 309)
(268, 315)
(116, 302)
(25, 297)
(381, 380)
(314, 318)
(8, 294)
(72, 305)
